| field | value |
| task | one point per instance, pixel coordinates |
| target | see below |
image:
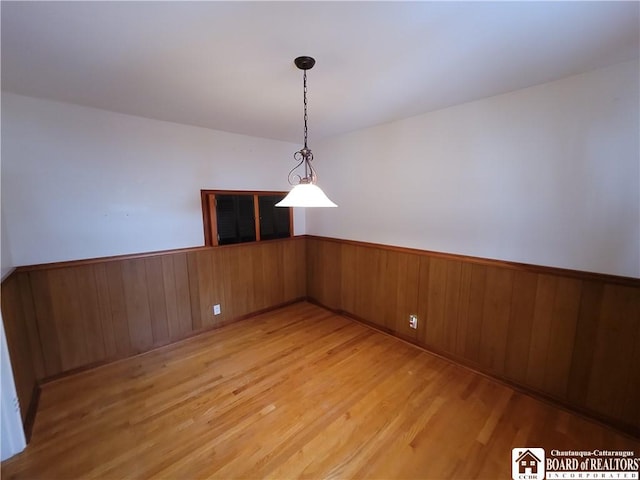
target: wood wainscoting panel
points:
(205, 278)
(403, 280)
(453, 289)
(104, 313)
(631, 397)
(19, 342)
(472, 306)
(350, 277)
(113, 292)
(569, 336)
(47, 330)
(325, 273)
(136, 296)
(566, 307)
(495, 319)
(433, 313)
(80, 314)
(30, 321)
(194, 290)
(572, 337)
(294, 271)
(236, 263)
(585, 340)
(523, 299)
(157, 300)
(542, 318)
(366, 285)
(376, 285)
(614, 375)
(176, 287)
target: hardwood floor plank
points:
(357, 426)
(295, 393)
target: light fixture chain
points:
(305, 108)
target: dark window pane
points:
(274, 222)
(235, 219)
(226, 215)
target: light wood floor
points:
(299, 392)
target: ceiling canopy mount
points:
(305, 63)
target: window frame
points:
(210, 220)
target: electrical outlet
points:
(216, 309)
(413, 321)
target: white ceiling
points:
(229, 65)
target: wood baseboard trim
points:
(30, 417)
(617, 425)
(109, 361)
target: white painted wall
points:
(548, 175)
(12, 438)
(81, 183)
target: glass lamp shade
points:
(306, 195)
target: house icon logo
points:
(527, 463)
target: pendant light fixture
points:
(305, 192)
